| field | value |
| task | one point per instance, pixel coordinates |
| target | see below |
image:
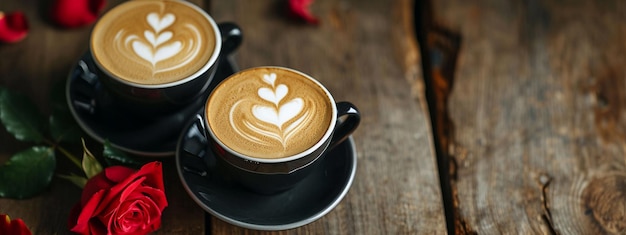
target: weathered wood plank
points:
(364, 52)
(537, 108)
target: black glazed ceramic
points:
(100, 117)
(218, 195)
(270, 176)
(148, 100)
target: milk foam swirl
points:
(270, 117)
(270, 113)
(156, 45)
(154, 42)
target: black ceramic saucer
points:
(308, 201)
(101, 119)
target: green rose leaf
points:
(63, 127)
(114, 156)
(27, 173)
(91, 166)
(20, 116)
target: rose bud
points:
(75, 13)
(13, 27)
(12, 227)
(300, 9)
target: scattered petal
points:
(12, 227)
(13, 26)
(76, 13)
(300, 9)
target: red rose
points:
(75, 13)
(12, 227)
(300, 9)
(13, 26)
(121, 200)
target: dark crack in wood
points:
(544, 182)
(439, 48)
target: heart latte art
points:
(274, 112)
(153, 42)
(269, 113)
(156, 44)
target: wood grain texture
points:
(537, 109)
(364, 52)
(31, 67)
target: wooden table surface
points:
(478, 117)
(537, 115)
(363, 51)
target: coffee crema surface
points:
(269, 113)
(153, 41)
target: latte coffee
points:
(153, 42)
(270, 113)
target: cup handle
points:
(344, 128)
(231, 37)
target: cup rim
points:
(319, 144)
(210, 63)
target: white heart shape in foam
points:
(273, 96)
(156, 41)
(265, 114)
(278, 117)
(290, 110)
(149, 35)
(163, 37)
(142, 50)
(145, 51)
(158, 23)
(269, 78)
(167, 51)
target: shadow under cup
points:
(271, 176)
(154, 100)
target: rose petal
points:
(148, 193)
(83, 225)
(156, 195)
(131, 188)
(5, 223)
(136, 217)
(13, 27)
(118, 173)
(74, 213)
(13, 227)
(95, 184)
(125, 201)
(153, 174)
(106, 179)
(300, 9)
(75, 13)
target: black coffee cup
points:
(275, 172)
(157, 99)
